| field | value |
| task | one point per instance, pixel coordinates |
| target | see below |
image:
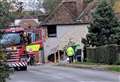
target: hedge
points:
(4, 72)
(109, 54)
(4, 69)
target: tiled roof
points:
(63, 14)
(116, 6)
(25, 23)
(72, 12)
(86, 16)
(68, 11)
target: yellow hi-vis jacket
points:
(70, 51)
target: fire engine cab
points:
(16, 41)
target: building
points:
(26, 22)
(69, 21)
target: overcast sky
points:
(32, 5)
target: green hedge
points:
(4, 69)
(4, 72)
(109, 54)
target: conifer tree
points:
(104, 27)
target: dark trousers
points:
(70, 59)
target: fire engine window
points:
(52, 32)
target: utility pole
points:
(55, 58)
(58, 56)
(43, 56)
(42, 52)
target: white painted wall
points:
(50, 46)
(64, 33)
(74, 32)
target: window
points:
(52, 31)
(10, 38)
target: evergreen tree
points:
(6, 17)
(104, 28)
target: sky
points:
(32, 5)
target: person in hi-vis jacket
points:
(70, 53)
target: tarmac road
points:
(48, 73)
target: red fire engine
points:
(20, 44)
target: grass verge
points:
(94, 66)
(114, 68)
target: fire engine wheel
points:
(24, 68)
(17, 68)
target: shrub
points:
(108, 54)
(4, 72)
(4, 69)
(91, 55)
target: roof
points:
(63, 14)
(27, 23)
(67, 12)
(116, 6)
(86, 16)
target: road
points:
(48, 73)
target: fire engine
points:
(17, 43)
